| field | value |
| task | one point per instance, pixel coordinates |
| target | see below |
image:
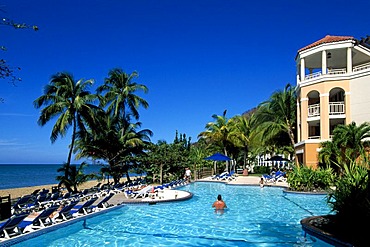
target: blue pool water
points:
(255, 217)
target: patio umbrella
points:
(217, 157)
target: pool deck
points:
(169, 195)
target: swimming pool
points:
(255, 217)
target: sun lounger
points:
(11, 227)
(84, 208)
(21, 203)
(103, 204)
(42, 220)
(65, 213)
(144, 192)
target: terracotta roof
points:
(327, 39)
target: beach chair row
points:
(25, 222)
(149, 190)
(225, 176)
(278, 176)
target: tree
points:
(69, 102)
(217, 133)
(76, 176)
(276, 117)
(348, 144)
(242, 133)
(115, 141)
(6, 70)
(120, 94)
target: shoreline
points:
(21, 191)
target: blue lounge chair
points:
(21, 203)
(42, 220)
(11, 227)
(85, 208)
(103, 204)
(65, 213)
(218, 176)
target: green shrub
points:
(262, 169)
(307, 179)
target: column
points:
(347, 102)
(349, 60)
(302, 69)
(323, 62)
(304, 115)
(298, 121)
(324, 116)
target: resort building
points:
(333, 87)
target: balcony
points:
(314, 110)
(335, 108)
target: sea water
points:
(17, 175)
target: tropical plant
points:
(217, 133)
(72, 105)
(308, 179)
(242, 133)
(350, 200)
(120, 94)
(76, 176)
(276, 118)
(115, 141)
(349, 142)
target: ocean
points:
(15, 175)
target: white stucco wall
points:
(360, 99)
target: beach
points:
(18, 192)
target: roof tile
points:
(327, 39)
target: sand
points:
(18, 192)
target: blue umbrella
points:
(218, 157)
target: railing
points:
(337, 71)
(314, 110)
(361, 67)
(313, 75)
(336, 108)
(314, 137)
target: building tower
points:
(333, 87)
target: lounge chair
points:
(11, 227)
(142, 193)
(42, 220)
(84, 208)
(65, 212)
(229, 176)
(103, 204)
(21, 203)
(218, 176)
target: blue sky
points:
(198, 58)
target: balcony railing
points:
(314, 110)
(336, 108)
(337, 71)
(313, 75)
(361, 67)
(314, 137)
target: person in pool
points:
(219, 204)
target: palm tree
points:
(120, 93)
(115, 141)
(241, 133)
(69, 102)
(348, 144)
(76, 176)
(277, 116)
(217, 133)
